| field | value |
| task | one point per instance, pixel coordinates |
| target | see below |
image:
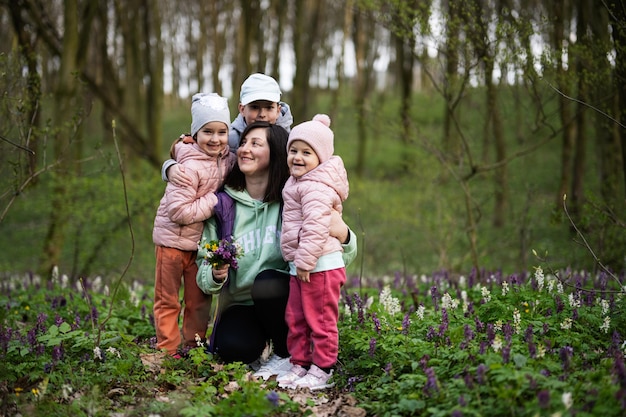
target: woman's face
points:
(253, 154)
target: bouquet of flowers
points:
(222, 252)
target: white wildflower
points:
(567, 324)
(462, 281)
(605, 306)
(199, 341)
(567, 400)
(96, 285)
(66, 391)
(420, 312)
(573, 302)
(505, 288)
(346, 310)
(389, 302)
(498, 326)
(97, 352)
(540, 278)
(448, 302)
(497, 343)
(517, 321)
(606, 324)
(541, 351)
(559, 287)
(114, 351)
(486, 294)
(551, 283)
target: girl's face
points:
(212, 138)
(260, 111)
(253, 154)
(301, 158)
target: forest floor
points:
(327, 403)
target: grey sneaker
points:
(315, 379)
(274, 366)
(287, 380)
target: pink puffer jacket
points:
(306, 213)
(179, 219)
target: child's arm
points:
(185, 207)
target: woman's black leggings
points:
(241, 332)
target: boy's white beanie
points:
(208, 107)
(317, 134)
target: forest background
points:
(463, 124)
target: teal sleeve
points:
(350, 249)
(204, 278)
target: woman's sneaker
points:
(287, 380)
(315, 379)
(274, 366)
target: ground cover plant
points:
(484, 343)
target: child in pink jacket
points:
(179, 223)
(317, 185)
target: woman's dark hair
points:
(278, 170)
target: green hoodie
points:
(257, 229)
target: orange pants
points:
(172, 265)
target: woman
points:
(252, 299)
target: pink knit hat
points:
(317, 134)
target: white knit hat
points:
(259, 87)
(317, 134)
(208, 107)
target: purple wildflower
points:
(480, 326)
(462, 401)
(566, 354)
(431, 381)
(57, 353)
(58, 320)
(481, 371)
(491, 333)
(406, 322)
(434, 294)
(388, 368)
(430, 335)
(273, 397)
(468, 333)
(528, 336)
(506, 353)
(559, 304)
(376, 323)
(444, 322)
(483, 347)
(456, 413)
(543, 397)
(620, 370)
(372, 347)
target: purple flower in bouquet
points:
(222, 252)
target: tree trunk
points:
(63, 113)
(305, 35)
(153, 57)
(451, 145)
(564, 103)
(618, 26)
(405, 45)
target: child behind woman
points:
(318, 185)
(179, 222)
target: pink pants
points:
(311, 314)
(171, 265)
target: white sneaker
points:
(274, 366)
(286, 380)
(315, 379)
